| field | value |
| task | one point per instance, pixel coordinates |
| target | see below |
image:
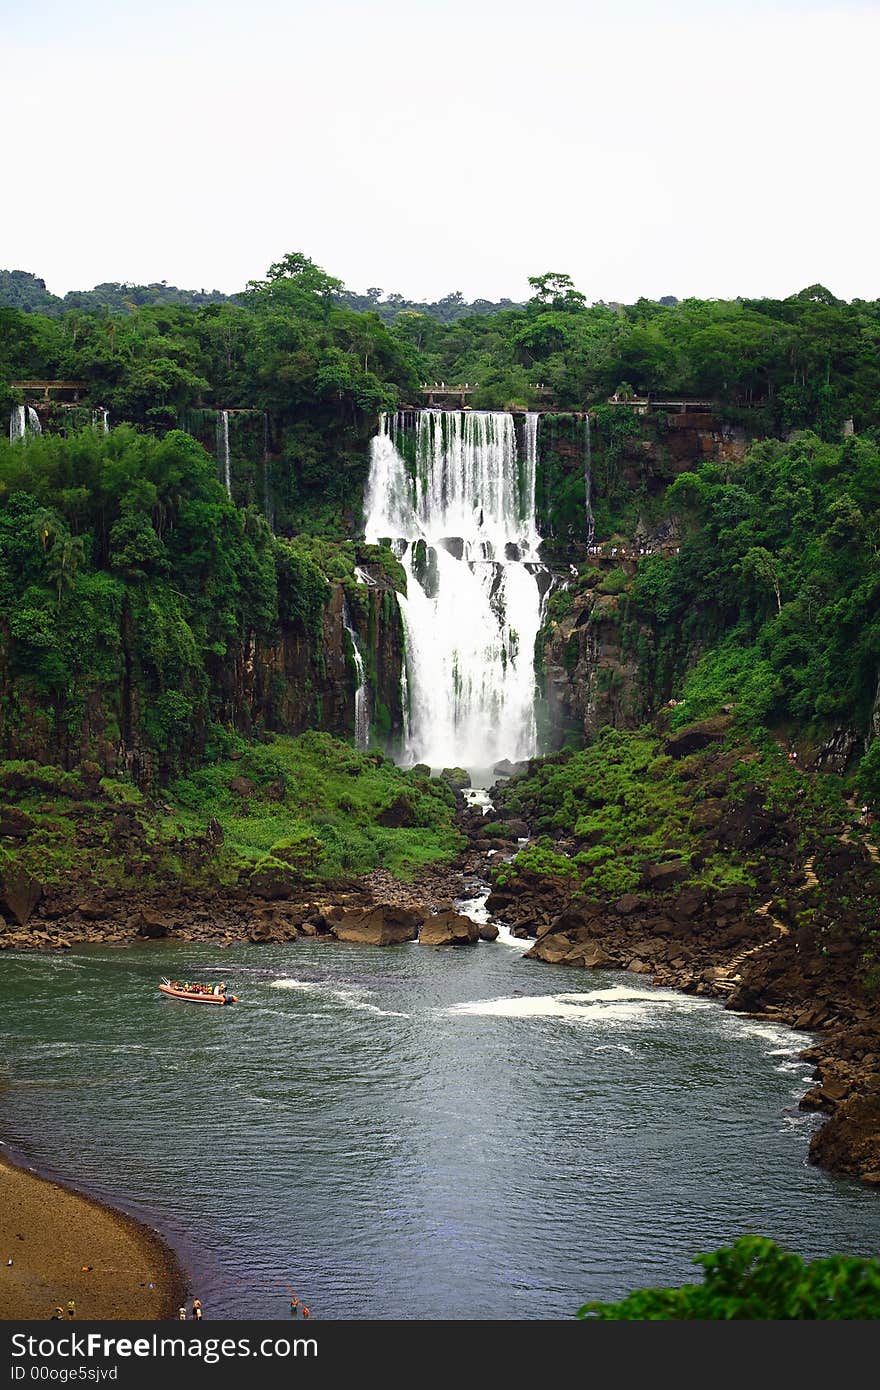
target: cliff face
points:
(596, 660)
(292, 681)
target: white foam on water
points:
(615, 1005)
(350, 997)
(519, 943)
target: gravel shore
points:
(64, 1245)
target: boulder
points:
(399, 814)
(242, 786)
(17, 824)
(383, 925)
(508, 769)
(456, 777)
(696, 736)
(627, 904)
(660, 876)
(153, 924)
(19, 893)
(488, 931)
(93, 910)
(449, 929)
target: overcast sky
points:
(715, 148)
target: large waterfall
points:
(456, 496)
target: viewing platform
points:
(45, 388)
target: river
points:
(413, 1132)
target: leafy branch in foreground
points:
(755, 1279)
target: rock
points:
(595, 956)
(153, 924)
(15, 823)
(660, 876)
(19, 893)
(689, 903)
(849, 1142)
(457, 777)
(488, 931)
(449, 929)
(94, 910)
(551, 949)
(696, 736)
(627, 904)
(399, 814)
(242, 786)
(505, 768)
(420, 770)
(382, 925)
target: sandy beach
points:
(64, 1245)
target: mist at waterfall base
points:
(455, 494)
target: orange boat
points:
(196, 993)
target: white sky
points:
(707, 147)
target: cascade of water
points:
(450, 489)
(588, 481)
(101, 420)
(267, 491)
(17, 424)
(33, 420)
(361, 694)
(223, 449)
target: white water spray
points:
(454, 495)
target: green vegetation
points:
(317, 806)
(778, 583)
(296, 811)
(623, 804)
(755, 1279)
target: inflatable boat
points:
(197, 994)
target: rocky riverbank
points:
(793, 957)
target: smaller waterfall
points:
(588, 481)
(101, 420)
(24, 420)
(361, 702)
(223, 449)
(267, 491)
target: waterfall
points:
(23, 420)
(223, 449)
(453, 494)
(101, 420)
(588, 481)
(267, 492)
(361, 701)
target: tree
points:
(759, 564)
(556, 291)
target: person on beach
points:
(294, 1304)
(306, 1313)
(197, 1309)
(181, 1313)
(58, 1314)
(71, 1308)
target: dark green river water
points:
(414, 1133)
